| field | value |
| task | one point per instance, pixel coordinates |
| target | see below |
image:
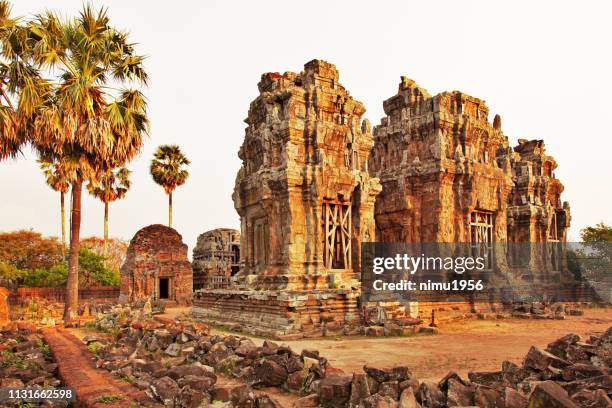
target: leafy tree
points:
(83, 114)
(20, 83)
(29, 250)
(166, 170)
(45, 278)
(115, 252)
(598, 240)
(10, 276)
(92, 272)
(29, 259)
(599, 233)
(114, 186)
(56, 178)
(591, 260)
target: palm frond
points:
(111, 186)
(72, 116)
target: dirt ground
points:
(473, 345)
(463, 346)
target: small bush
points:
(95, 347)
(107, 399)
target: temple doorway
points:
(164, 288)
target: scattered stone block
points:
(375, 331)
(550, 395)
(428, 330)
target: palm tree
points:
(85, 115)
(55, 176)
(21, 86)
(167, 172)
(113, 186)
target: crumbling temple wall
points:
(216, 257)
(306, 202)
(443, 166)
(156, 266)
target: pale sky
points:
(544, 66)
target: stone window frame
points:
(553, 232)
(337, 234)
(481, 223)
(552, 250)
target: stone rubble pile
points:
(26, 362)
(543, 310)
(177, 363)
(181, 363)
(569, 373)
(379, 322)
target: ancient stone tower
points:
(536, 213)
(306, 202)
(445, 169)
(303, 193)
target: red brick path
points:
(78, 371)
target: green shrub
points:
(92, 272)
(107, 399)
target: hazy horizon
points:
(542, 66)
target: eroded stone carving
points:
(311, 175)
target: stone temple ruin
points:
(315, 184)
(306, 202)
(216, 258)
(156, 267)
(449, 175)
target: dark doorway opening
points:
(164, 288)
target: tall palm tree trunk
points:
(105, 248)
(71, 306)
(63, 211)
(106, 200)
(170, 210)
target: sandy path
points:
(474, 345)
